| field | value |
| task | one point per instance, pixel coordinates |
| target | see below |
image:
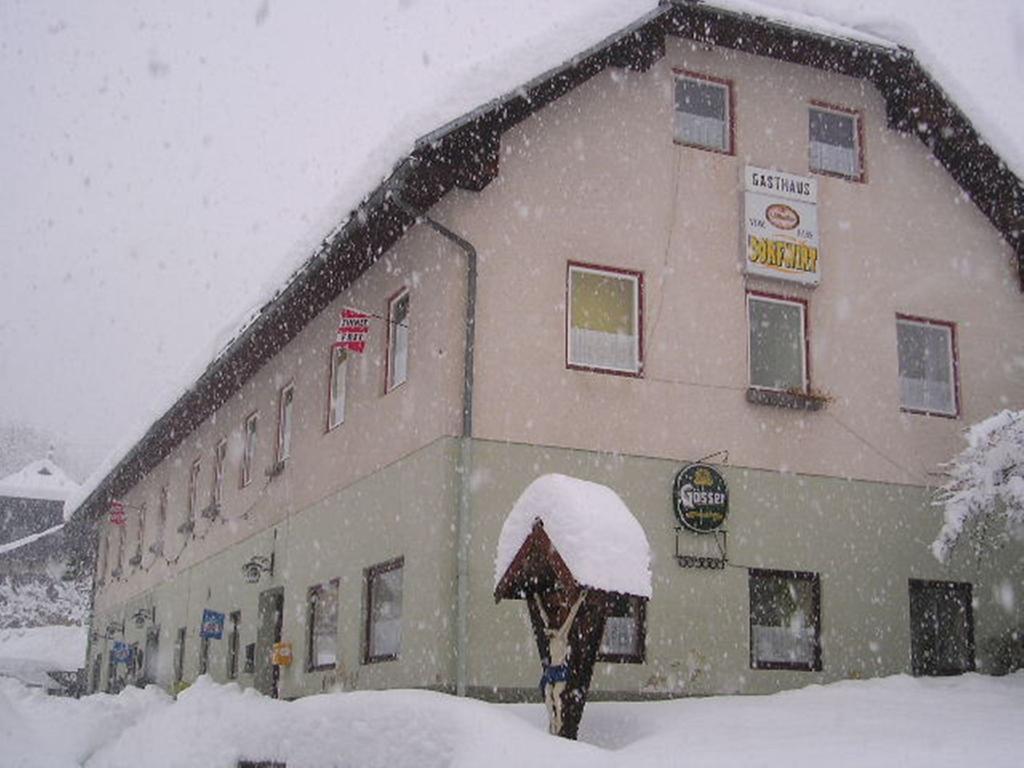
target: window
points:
(179, 655)
(220, 453)
(284, 423)
(193, 491)
(204, 654)
(941, 628)
(250, 658)
(248, 446)
(383, 618)
(235, 619)
(604, 319)
(785, 620)
(121, 535)
(927, 359)
(624, 629)
(778, 347)
(157, 547)
(398, 340)
(336, 398)
(323, 626)
(101, 557)
(140, 537)
(835, 146)
(703, 116)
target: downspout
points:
(464, 461)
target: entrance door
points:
(941, 628)
(268, 632)
(151, 656)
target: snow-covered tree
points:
(983, 501)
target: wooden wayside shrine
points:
(539, 575)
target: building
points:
(601, 290)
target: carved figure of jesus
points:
(556, 670)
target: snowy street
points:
(896, 721)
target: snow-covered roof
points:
(433, 165)
(595, 534)
(41, 479)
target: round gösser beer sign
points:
(700, 498)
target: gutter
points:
(464, 460)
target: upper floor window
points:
(835, 143)
(322, 652)
(604, 319)
(785, 620)
(284, 422)
(248, 446)
(232, 650)
(157, 547)
(193, 490)
(336, 398)
(778, 348)
(383, 619)
(928, 368)
(220, 453)
(703, 115)
(398, 339)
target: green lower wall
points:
(865, 540)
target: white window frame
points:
(398, 342)
(337, 388)
(953, 363)
(805, 377)
(858, 148)
(637, 280)
(316, 618)
(220, 453)
(285, 417)
(249, 427)
(678, 113)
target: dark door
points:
(941, 628)
(268, 632)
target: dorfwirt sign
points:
(781, 214)
(700, 498)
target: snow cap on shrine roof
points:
(593, 531)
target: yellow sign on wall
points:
(282, 656)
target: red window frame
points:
(331, 370)
(389, 385)
(248, 449)
(955, 362)
(678, 73)
(807, 334)
(858, 115)
(285, 430)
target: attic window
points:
(703, 116)
(45, 471)
(835, 143)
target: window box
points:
(777, 347)
(785, 620)
(928, 369)
(322, 640)
(211, 511)
(604, 320)
(383, 617)
(397, 372)
(625, 629)
(135, 560)
(800, 401)
(703, 112)
(836, 144)
(274, 469)
(186, 528)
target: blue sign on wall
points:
(121, 653)
(213, 625)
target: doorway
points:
(941, 628)
(151, 656)
(268, 632)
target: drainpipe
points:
(464, 461)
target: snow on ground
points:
(896, 721)
(593, 530)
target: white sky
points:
(164, 165)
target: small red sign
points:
(117, 515)
(353, 330)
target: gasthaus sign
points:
(781, 215)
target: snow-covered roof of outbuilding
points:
(41, 479)
(464, 153)
(595, 534)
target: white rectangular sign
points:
(781, 226)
